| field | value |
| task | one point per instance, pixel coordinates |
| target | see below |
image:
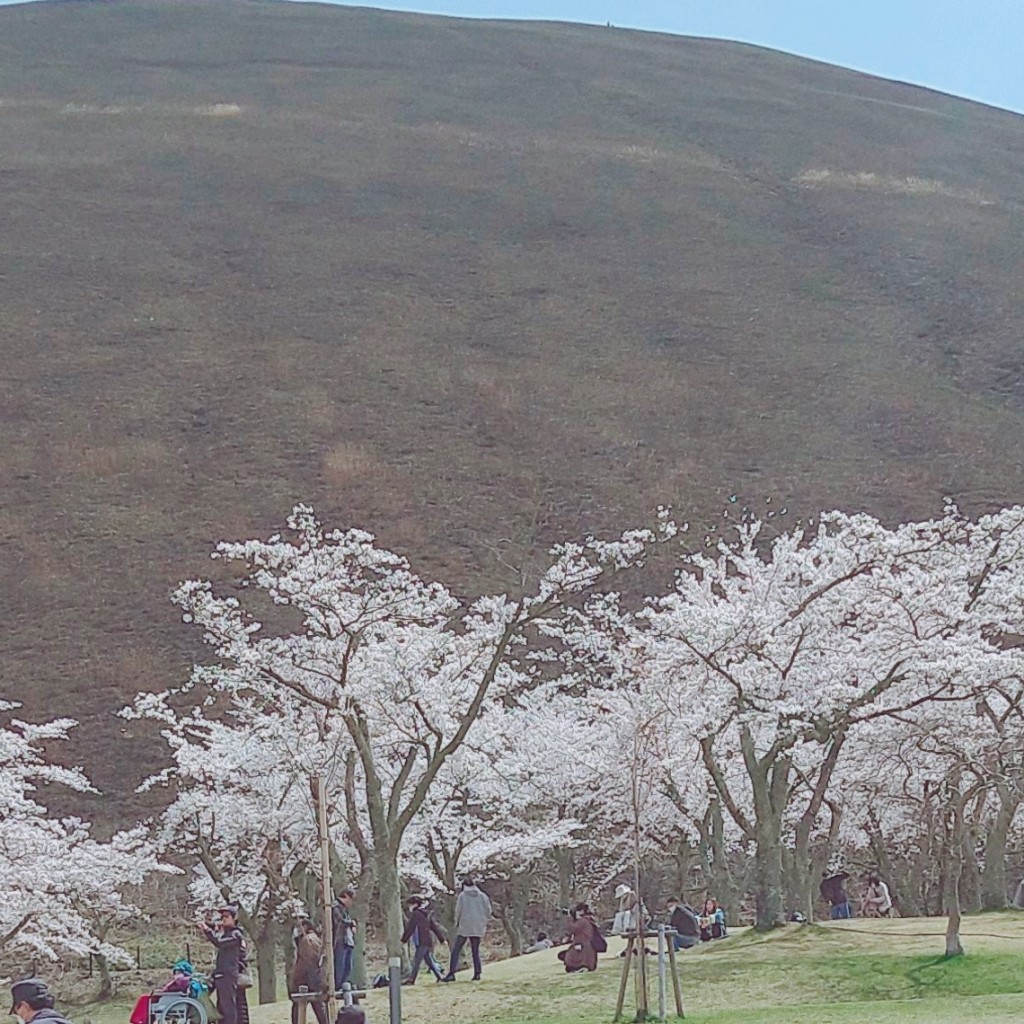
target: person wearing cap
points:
(31, 1001)
(229, 966)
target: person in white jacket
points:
(877, 900)
(472, 912)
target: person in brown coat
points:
(581, 954)
(308, 972)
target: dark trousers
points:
(460, 945)
(342, 965)
(313, 982)
(424, 955)
(227, 999)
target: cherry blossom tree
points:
(776, 656)
(63, 889)
(244, 808)
(364, 648)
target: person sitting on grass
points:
(712, 921)
(683, 919)
(541, 943)
(833, 892)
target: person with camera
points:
(230, 977)
(31, 1001)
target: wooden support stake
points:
(677, 988)
(624, 980)
(327, 898)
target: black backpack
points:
(598, 941)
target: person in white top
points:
(625, 917)
(877, 900)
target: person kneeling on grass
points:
(877, 901)
(585, 942)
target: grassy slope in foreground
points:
(867, 971)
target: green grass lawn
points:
(843, 973)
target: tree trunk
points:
(768, 879)
(512, 911)
(970, 875)
(564, 860)
(266, 963)
(106, 983)
(389, 889)
(993, 878)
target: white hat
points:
(622, 890)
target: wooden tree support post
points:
(635, 948)
(677, 988)
(624, 981)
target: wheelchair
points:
(176, 1008)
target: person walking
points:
(344, 926)
(307, 972)
(31, 1001)
(472, 912)
(229, 966)
(421, 929)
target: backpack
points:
(598, 941)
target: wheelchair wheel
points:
(180, 1011)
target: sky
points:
(971, 48)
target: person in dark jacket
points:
(31, 1001)
(307, 972)
(833, 892)
(683, 918)
(229, 966)
(421, 929)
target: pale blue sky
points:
(972, 48)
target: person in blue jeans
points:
(833, 892)
(422, 929)
(683, 918)
(344, 926)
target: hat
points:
(26, 991)
(183, 967)
(622, 890)
(228, 909)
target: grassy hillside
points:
(859, 972)
(472, 285)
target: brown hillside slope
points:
(472, 285)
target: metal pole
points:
(395, 988)
(326, 896)
(661, 971)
